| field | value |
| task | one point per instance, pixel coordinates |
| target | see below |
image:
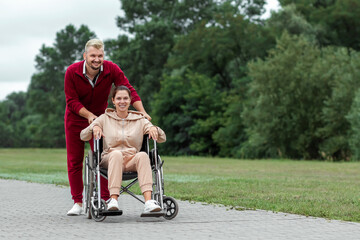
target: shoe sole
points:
(113, 209)
(156, 209)
(74, 214)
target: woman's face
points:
(121, 101)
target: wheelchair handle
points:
(96, 145)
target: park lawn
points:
(311, 188)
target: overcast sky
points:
(27, 24)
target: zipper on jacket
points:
(123, 131)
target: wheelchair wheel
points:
(171, 206)
(96, 213)
(85, 199)
(89, 185)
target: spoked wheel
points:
(90, 186)
(96, 213)
(85, 199)
(88, 203)
(171, 206)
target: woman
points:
(123, 132)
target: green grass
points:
(311, 188)
(34, 165)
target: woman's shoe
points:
(113, 205)
(151, 206)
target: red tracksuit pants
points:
(75, 156)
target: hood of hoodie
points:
(133, 115)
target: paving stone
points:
(38, 211)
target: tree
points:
(220, 51)
(343, 75)
(189, 108)
(155, 26)
(182, 16)
(286, 98)
(354, 133)
(143, 57)
(204, 105)
(12, 112)
(231, 135)
(169, 115)
(298, 101)
(291, 20)
(338, 19)
(212, 58)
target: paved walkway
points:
(38, 211)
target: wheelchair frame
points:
(95, 207)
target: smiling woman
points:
(123, 132)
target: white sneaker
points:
(112, 205)
(151, 206)
(76, 210)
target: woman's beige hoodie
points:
(121, 134)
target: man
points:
(87, 87)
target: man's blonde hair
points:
(96, 43)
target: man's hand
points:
(91, 118)
(88, 115)
(147, 116)
(139, 106)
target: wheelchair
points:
(96, 208)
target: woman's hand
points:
(153, 133)
(97, 132)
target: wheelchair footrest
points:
(153, 214)
(111, 213)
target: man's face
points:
(94, 58)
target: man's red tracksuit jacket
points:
(79, 93)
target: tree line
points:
(218, 78)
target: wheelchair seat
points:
(126, 175)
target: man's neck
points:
(91, 72)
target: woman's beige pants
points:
(117, 163)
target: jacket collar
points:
(84, 67)
(133, 115)
(104, 68)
